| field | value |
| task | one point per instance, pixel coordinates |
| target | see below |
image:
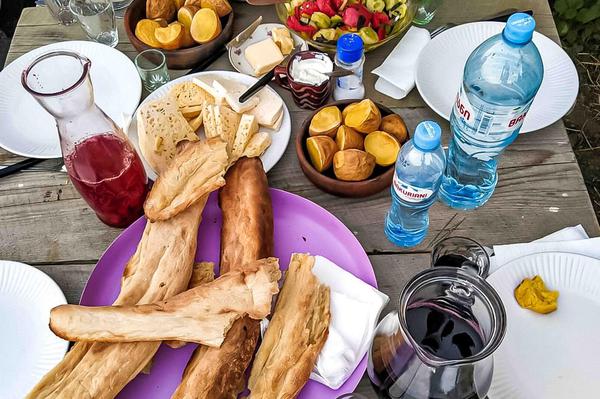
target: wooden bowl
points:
(326, 181)
(184, 58)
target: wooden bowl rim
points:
(182, 51)
(367, 187)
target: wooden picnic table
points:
(44, 222)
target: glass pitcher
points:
(439, 343)
(101, 162)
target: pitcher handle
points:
(281, 77)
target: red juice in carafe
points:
(110, 176)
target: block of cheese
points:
(269, 108)
(263, 56)
(283, 39)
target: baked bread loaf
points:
(196, 171)
(295, 336)
(219, 373)
(160, 268)
(198, 315)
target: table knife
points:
(14, 168)
(267, 77)
(245, 34)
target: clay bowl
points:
(326, 181)
(182, 58)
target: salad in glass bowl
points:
(322, 22)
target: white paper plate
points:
(280, 138)
(28, 130)
(553, 356)
(28, 349)
(236, 54)
(441, 63)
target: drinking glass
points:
(61, 12)
(120, 7)
(97, 18)
(152, 67)
(461, 252)
(426, 11)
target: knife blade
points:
(245, 34)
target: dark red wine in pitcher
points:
(445, 334)
(110, 177)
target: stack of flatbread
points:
(214, 104)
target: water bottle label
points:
(487, 123)
(410, 193)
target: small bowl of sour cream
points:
(305, 76)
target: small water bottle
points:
(500, 81)
(417, 178)
(350, 55)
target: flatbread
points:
(196, 171)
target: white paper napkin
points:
(397, 73)
(355, 307)
(571, 240)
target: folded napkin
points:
(571, 240)
(355, 307)
(397, 73)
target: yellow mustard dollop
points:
(532, 294)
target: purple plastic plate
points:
(300, 226)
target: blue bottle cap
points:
(427, 136)
(349, 48)
(519, 28)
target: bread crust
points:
(196, 171)
(198, 315)
(246, 235)
(295, 336)
(160, 268)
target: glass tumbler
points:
(97, 18)
(61, 12)
(426, 11)
(152, 67)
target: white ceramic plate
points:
(441, 63)
(557, 355)
(236, 54)
(280, 138)
(28, 349)
(28, 130)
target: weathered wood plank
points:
(529, 202)
(71, 278)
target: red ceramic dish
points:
(305, 95)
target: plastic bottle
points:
(417, 178)
(350, 55)
(500, 80)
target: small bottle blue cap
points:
(519, 28)
(427, 136)
(349, 48)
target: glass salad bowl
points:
(322, 22)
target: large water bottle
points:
(417, 179)
(500, 80)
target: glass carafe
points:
(439, 343)
(101, 162)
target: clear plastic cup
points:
(97, 19)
